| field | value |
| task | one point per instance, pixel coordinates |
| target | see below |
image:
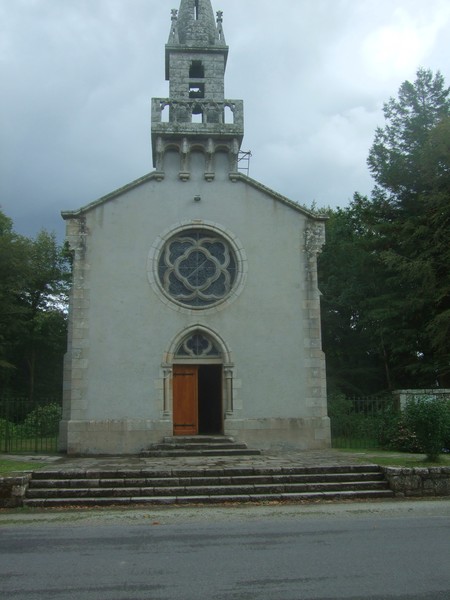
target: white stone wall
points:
(122, 328)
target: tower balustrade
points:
(197, 116)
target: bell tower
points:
(196, 115)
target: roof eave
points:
(287, 201)
(73, 214)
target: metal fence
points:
(29, 426)
(355, 422)
(362, 422)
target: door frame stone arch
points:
(225, 359)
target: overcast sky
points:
(77, 76)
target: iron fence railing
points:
(29, 426)
(364, 422)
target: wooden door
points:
(185, 400)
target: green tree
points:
(12, 278)
(33, 307)
(384, 270)
(396, 154)
(360, 316)
(410, 163)
(348, 275)
(435, 166)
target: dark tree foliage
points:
(34, 280)
(384, 271)
(396, 154)
(12, 279)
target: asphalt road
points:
(365, 551)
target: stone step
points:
(170, 481)
(203, 485)
(207, 451)
(205, 499)
(203, 472)
(195, 439)
(198, 445)
(192, 490)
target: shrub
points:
(7, 431)
(404, 439)
(387, 425)
(6, 428)
(429, 419)
(43, 421)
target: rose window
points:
(197, 268)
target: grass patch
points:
(13, 466)
(363, 443)
(397, 459)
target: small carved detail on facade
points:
(167, 370)
(159, 151)
(220, 25)
(314, 240)
(185, 151)
(209, 166)
(234, 155)
(174, 28)
(228, 373)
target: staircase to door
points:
(189, 485)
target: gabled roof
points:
(154, 176)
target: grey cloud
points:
(78, 75)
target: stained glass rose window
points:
(197, 268)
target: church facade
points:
(195, 307)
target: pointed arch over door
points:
(199, 367)
(200, 343)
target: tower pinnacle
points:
(196, 26)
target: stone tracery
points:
(197, 268)
(197, 346)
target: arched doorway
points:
(197, 400)
(198, 389)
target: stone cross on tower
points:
(196, 112)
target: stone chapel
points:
(194, 307)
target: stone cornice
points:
(156, 176)
(276, 196)
(73, 214)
